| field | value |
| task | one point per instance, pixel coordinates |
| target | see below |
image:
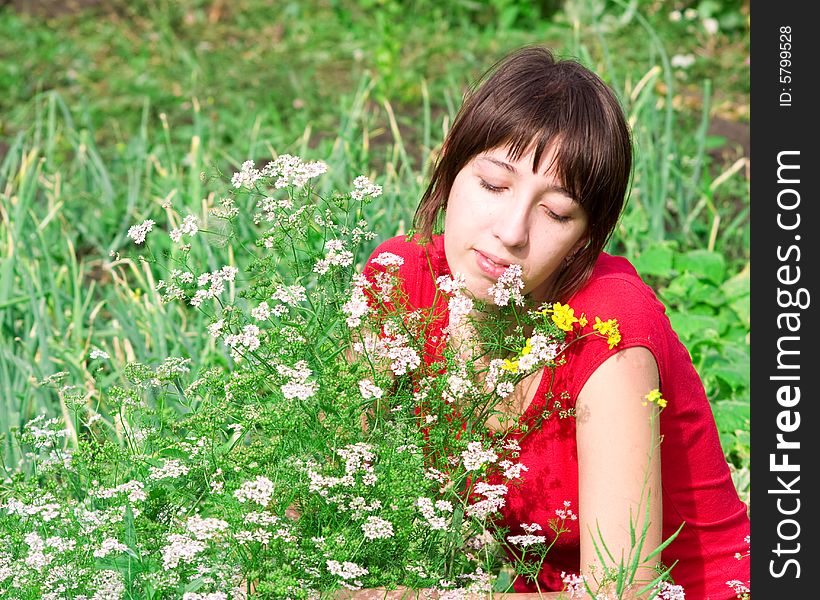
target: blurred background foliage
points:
(111, 112)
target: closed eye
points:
(491, 188)
(556, 216)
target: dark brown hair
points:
(531, 101)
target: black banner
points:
(784, 245)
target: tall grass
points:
(67, 284)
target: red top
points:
(697, 486)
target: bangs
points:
(564, 117)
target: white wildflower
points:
(188, 227)
(388, 259)
(206, 529)
(508, 287)
(369, 390)
(682, 61)
(356, 307)
(247, 176)
(260, 491)
(171, 469)
(261, 312)
(364, 188)
(376, 528)
(97, 353)
(215, 329)
(138, 232)
(109, 545)
(180, 548)
(475, 456)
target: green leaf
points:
(655, 260)
(731, 415)
(703, 263)
(736, 376)
(691, 327)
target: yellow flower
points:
(609, 329)
(654, 397)
(582, 320)
(510, 365)
(527, 348)
(563, 316)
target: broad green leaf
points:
(731, 415)
(702, 263)
(655, 260)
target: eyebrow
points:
(507, 166)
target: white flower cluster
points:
(180, 548)
(493, 500)
(376, 528)
(135, 490)
(574, 584)
(363, 188)
(109, 545)
(44, 433)
(259, 490)
(107, 585)
(288, 295)
(530, 538)
(459, 307)
(249, 340)
(508, 287)
(228, 210)
(172, 366)
(451, 284)
(389, 260)
(171, 469)
(261, 312)
(206, 529)
(189, 227)
(357, 504)
(336, 255)
(205, 596)
(297, 385)
(97, 353)
(356, 307)
(247, 176)
(138, 232)
(458, 386)
(669, 591)
(393, 346)
(291, 170)
(542, 351)
(475, 455)
(358, 458)
(369, 390)
(217, 280)
(279, 212)
(346, 570)
(428, 510)
(512, 470)
(566, 513)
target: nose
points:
(511, 224)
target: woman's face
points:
(499, 213)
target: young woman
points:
(535, 172)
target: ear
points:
(579, 245)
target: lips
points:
(490, 264)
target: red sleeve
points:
(641, 322)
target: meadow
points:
(114, 114)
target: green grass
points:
(107, 115)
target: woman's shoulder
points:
(615, 287)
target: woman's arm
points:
(619, 461)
